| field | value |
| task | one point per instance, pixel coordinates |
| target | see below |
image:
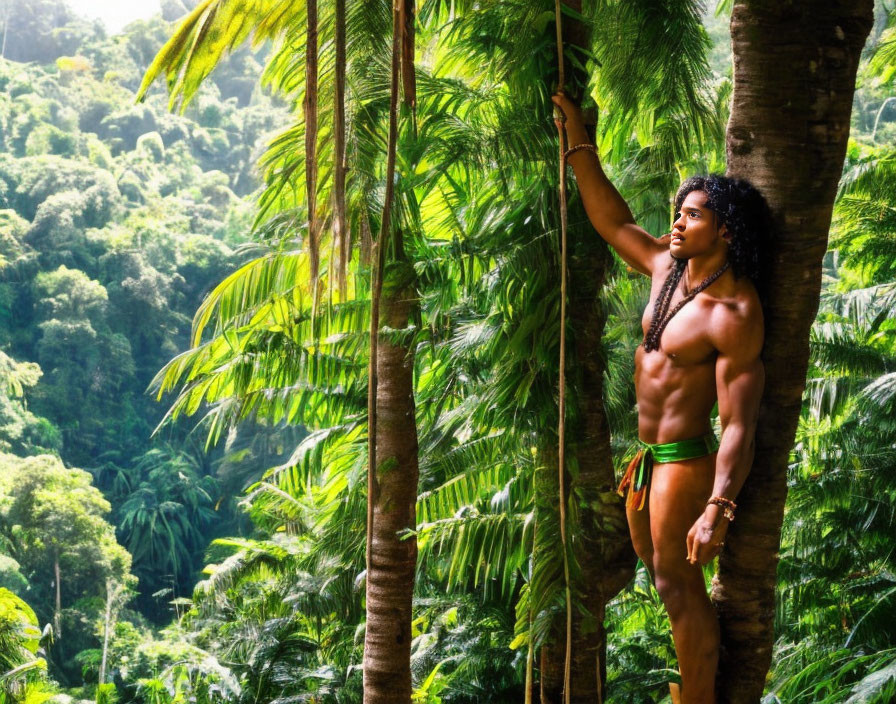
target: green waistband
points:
(683, 449)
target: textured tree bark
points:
(392, 496)
(390, 578)
(603, 550)
(794, 76)
(552, 655)
(607, 559)
(408, 77)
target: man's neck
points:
(702, 267)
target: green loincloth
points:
(637, 477)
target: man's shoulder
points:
(736, 325)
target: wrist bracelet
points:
(572, 150)
(727, 505)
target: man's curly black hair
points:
(743, 209)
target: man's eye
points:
(694, 215)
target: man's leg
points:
(678, 495)
(639, 529)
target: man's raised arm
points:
(606, 209)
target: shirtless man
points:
(692, 356)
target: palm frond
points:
(212, 28)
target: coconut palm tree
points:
(795, 159)
(246, 369)
(393, 489)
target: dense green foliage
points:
(115, 219)
(485, 394)
(120, 219)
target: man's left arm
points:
(740, 377)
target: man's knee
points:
(678, 589)
(670, 590)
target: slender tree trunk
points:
(604, 553)
(548, 569)
(390, 577)
(607, 558)
(366, 240)
(107, 627)
(531, 692)
(392, 497)
(408, 77)
(794, 76)
(340, 226)
(57, 613)
(6, 14)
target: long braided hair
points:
(661, 307)
(743, 210)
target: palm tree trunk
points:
(408, 77)
(392, 493)
(607, 558)
(547, 570)
(794, 76)
(604, 553)
(393, 558)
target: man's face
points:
(695, 230)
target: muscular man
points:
(703, 333)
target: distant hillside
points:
(115, 219)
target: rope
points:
(530, 653)
(561, 428)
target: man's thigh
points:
(639, 529)
(678, 495)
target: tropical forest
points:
(317, 380)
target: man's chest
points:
(686, 337)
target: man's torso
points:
(675, 386)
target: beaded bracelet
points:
(572, 150)
(728, 506)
